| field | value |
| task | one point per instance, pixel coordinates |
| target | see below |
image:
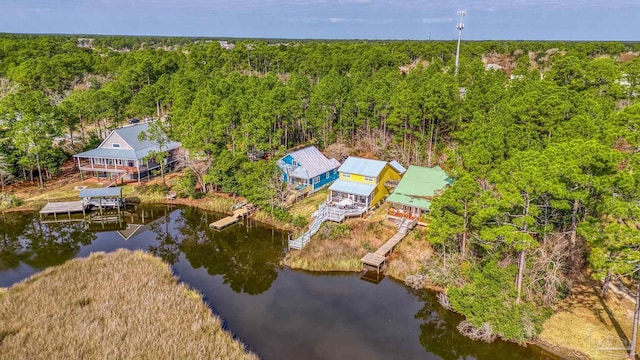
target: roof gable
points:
(130, 146)
(312, 162)
(360, 166)
(130, 135)
(115, 138)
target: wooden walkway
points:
(62, 207)
(377, 259)
(237, 215)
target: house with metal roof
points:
(122, 156)
(362, 183)
(412, 197)
(308, 170)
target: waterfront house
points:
(121, 156)
(412, 197)
(363, 183)
(308, 170)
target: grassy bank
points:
(121, 305)
(591, 324)
(339, 247)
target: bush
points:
(488, 300)
(300, 221)
(280, 215)
(339, 231)
(152, 189)
(186, 186)
(7, 201)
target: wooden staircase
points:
(324, 213)
(115, 182)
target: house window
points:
(316, 179)
(115, 145)
(346, 175)
(369, 178)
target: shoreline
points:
(219, 203)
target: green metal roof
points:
(419, 185)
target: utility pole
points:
(460, 26)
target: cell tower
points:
(460, 26)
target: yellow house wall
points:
(381, 192)
(357, 178)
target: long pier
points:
(377, 259)
(237, 215)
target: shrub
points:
(186, 185)
(300, 221)
(339, 231)
(7, 201)
(152, 189)
(489, 300)
(280, 214)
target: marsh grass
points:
(123, 305)
(410, 255)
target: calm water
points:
(277, 312)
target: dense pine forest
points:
(541, 137)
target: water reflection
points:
(320, 316)
(248, 259)
(439, 336)
(25, 239)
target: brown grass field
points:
(123, 305)
(590, 324)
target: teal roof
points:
(352, 187)
(419, 185)
(360, 166)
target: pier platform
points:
(236, 216)
(377, 259)
(62, 207)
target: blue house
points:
(308, 170)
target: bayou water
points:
(279, 313)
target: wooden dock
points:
(62, 207)
(377, 259)
(237, 215)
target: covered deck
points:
(350, 195)
(110, 163)
(398, 212)
(110, 167)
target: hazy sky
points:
(343, 19)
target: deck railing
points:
(401, 214)
(319, 216)
(324, 213)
